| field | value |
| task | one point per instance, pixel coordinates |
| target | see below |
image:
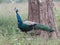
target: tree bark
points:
(41, 11)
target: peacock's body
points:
(29, 25)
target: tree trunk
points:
(41, 11)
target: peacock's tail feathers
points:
(43, 27)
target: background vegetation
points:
(9, 1)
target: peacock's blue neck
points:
(19, 19)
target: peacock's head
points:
(16, 10)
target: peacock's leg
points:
(25, 34)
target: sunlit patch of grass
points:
(57, 15)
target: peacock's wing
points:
(29, 23)
(38, 26)
(43, 27)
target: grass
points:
(8, 27)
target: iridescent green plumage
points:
(43, 27)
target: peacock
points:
(27, 26)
